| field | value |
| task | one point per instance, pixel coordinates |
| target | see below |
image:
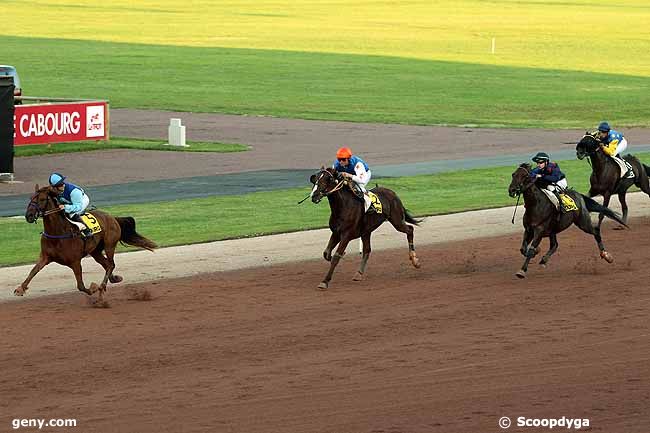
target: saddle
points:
(626, 171)
(562, 201)
(88, 226)
(370, 200)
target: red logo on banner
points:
(56, 123)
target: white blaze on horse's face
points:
(313, 190)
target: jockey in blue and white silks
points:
(352, 167)
(72, 199)
(548, 173)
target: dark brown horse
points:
(349, 220)
(542, 219)
(605, 177)
(61, 242)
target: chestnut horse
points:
(349, 221)
(61, 241)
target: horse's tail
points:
(131, 237)
(644, 181)
(409, 218)
(594, 206)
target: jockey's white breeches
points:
(366, 181)
(562, 184)
(620, 147)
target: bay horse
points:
(61, 241)
(348, 219)
(542, 219)
(605, 178)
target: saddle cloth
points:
(567, 202)
(371, 199)
(90, 221)
(625, 167)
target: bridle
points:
(522, 188)
(39, 211)
(338, 186)
(588, 152)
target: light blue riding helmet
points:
(56, 179)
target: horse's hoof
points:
(358, 277)
(607, 256)
(414, 259)
(92, 289)
(619, 228)
(327, 256)
(521, 274)
(115, 279)
(543, 265)
(323, 286)
(19, 291)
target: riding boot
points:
(86, 232)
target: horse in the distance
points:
(61, 241)
(348, 219)
(542, 218)
(606, 178)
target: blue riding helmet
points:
(604, 127)
(56, 179)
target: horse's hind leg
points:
(364, 258)
(76, 268)
(584, 223)
(107, 265)
(110, 256)
(551, 251)
(42, 262)
(401, 226)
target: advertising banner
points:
(61, 122)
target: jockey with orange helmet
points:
(352, 167)
(73, 200)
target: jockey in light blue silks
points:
(73, 200)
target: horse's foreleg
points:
(334, 240)
(606, 198)
(531, 251)
(340, 251)
(364, 258)
(551, 251)
(621, 198)
(528, 236)
(42, 262)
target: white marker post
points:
(494, 43)
(176, 133)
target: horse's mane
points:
(525, 165)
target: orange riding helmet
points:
(344, 153)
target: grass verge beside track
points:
(125, 143)
(223, 217)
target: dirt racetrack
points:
(449, 348)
